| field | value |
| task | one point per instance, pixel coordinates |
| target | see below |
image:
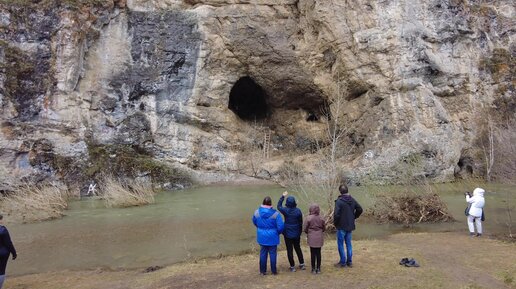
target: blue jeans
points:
(344, 236)
(268, 250)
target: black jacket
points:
(6, 248)
(293, 217)
(346, 211)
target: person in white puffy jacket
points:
(476, 208)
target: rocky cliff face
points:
(193, 85)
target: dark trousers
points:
(292, 244)
(315, 254)
(3, 263)
(264, 252)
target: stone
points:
(158, 75)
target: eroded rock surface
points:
(156, 76)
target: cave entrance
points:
(465, 165)
(247, 100)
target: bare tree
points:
(505, 168)
(488, 146)
(498, 142)
(330, 148)
(505, 148)
(251, 154)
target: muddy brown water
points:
(196, 223)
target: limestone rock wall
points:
(155, 76)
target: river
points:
(193, 223)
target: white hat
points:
(478, 191)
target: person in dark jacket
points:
(292, 233)
(269, 225)
(346, 211)
(314, 228)
(6, 248)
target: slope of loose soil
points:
(448, 260)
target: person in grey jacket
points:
(6, 249)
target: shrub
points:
(35, 203)
(409, 208)
(289, 171)
(124, 192)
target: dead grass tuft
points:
(32, 203)
(124, 192)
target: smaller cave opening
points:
(466, 165)
(247, 100)
(312, 116)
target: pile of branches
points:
(409, 208)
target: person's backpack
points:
(466, 212)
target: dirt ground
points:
(448, 260)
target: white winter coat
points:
(477, 202)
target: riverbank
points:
(448, 260)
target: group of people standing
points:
(269, 225)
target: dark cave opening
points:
(466, 164)
(312, 117)
(247, 100)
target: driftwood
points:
(409, 209)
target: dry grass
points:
(31, 203)
(448, 260)
(410, 208)
(126, 192)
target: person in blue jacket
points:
(6, 249)
(293, 228)
(269, 225)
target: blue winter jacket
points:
(269, 225)
(293, 217)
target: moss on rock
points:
(500, 64)
(27, 78)
(126, 160)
